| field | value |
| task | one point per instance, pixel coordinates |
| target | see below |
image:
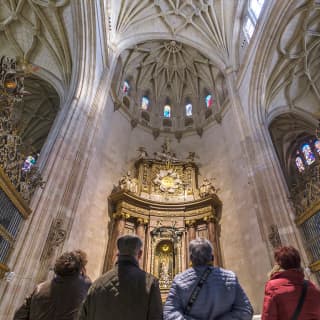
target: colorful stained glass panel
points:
(167, 111)
(299, 164)
(145, 103)
(189, 110)
(308, 154)
(209, 101)
(126, 87)
(28, 164)
(317, 146)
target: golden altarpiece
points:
(163, 204)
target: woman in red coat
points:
(283, 290)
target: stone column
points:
(213, 235)
(118, 230)
(141, 233)
(191, 231)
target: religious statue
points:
(164, 275)
(128, 183)
(207, 188)
(166, 154)
(142, 153)
(191, 157)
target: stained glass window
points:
(299, 164)
(256, 7)
(317, 146)
(167, 111)
(209, 101)
(308, 154)
(28, 164)
(248, 28)
(189, 110)
(145, 103)
(126, 87)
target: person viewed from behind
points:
(126, 292)
(287, 289)
(204, 292)
(61, 297)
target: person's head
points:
(70, 263)
(287, 258)
(129, 245)
(201, 252)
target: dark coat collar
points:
(127, 260)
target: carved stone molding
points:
(274, 237)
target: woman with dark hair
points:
(287, 295)
(61, 297)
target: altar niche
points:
(164, 263)
(162, 203)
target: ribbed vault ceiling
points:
(36, 113)
(169, 72)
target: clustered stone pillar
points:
(118, 230)
(213, 235)
(141, 233)
(191, 225)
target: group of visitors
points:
(203, 292)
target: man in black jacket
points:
(61, 297)
(126, 292)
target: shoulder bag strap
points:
(196, 290)
(301, 300)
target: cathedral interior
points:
(167, 119)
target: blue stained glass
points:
(299, 164)
(28, 164)
(317, 146)
(308, 154)
(209, 101)
(167, 111)
(189, 110)
(145, 103)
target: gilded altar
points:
(161, 202)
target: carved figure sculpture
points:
(207, 188)
(128, 183)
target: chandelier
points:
(20, 168)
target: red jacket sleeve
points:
(270, 311)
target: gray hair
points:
(201, 252)
(129, 245)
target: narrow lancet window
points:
(145, 103)
(256, 7)
(126, 87)
(189, 110)
(167, 111)
(209, 101)
(308, 154)
(28, 164)
(299, 164)
(317, 146)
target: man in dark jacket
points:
(61, 297)
(125, 292)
